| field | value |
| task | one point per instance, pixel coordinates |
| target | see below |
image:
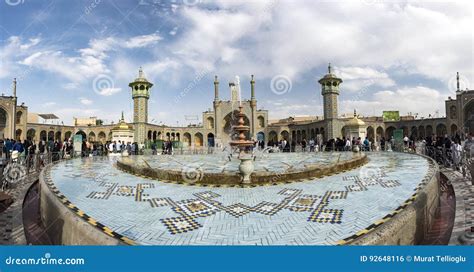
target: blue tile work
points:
(319, 211)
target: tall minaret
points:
(253, 108)
(330, 91)
(13, 121)
(140, 95)
(217, 112)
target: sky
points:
(76, 58)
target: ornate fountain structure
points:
(244, 145)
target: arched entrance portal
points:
(210, 140)
(469, 117)
(3, 123)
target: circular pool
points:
(335, 209)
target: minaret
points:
(13, 122)
(457, 83)
(217, 112)
(330, 92)
(140, 95)
(253, 108)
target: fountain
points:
(244, 145)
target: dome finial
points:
(355, 113)
(329, 68)
(122, 119)
(140, 72)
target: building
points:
(216, 128)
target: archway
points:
(454, 129)
(285, 135)
(421, 132)
(414, 132)
(441, 130)
(370, 133)
(429, 131)
(30, 134)
(19, 114)
(469, 117)
(210, 140)
(83, 134)
(43, 135)
(18, 134)
(230, 120)
(51, 136)
(261, 121)
(210, 122)
(57, 136)
(389, 132)
(198, 139)
(91, 137)
(102, 137)
(379, 132)
(187, 139)
(3, 122)
(272, 136)
(154, 135)
(149, 135)
(67, 135)
(261, 136)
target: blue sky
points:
(76, 58)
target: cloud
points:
(142, 41)
(85, 101)
(109, 91)
(416, 100)
(360, 78)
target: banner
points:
(391, 116)
(236, 258)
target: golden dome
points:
(122, 125)
(355, 121)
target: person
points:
(8, 148)
(456, 150)
(153, 148)
(366, 144)
(311, 145)
(382, 144)
(303, 145)
(348, 145)
(406, 140)
(469, 146)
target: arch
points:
(173, 136)
(421, 132)
(469, 117)
(370, 133)
(230, 120)
(67, 135)
(187, 139)
(210, 122)
(149, 135)
(102, 137)
(30, 134)
(298, 136)
(43, 135)
(379, 132)
(272, 136)
(405, 131)
(441, 130)
(168, 136)
(389, 132)
(154, 136)
(261, 121)
(159, 135)
(18, 134)
(429, 131)
(210, 140)
(3, 122)
(51, 136)
(285, 135)
(57, 136)
(19, 114)
(261, 136)
(178, 137)
(454, 129)
(91, 137)
(83, 134)
(198, 139)
(312, 133)
(303, 135)
(414, 132)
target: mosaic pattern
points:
(320, 211)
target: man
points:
(311, 145)
(469, 146)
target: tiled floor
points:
(320, 211)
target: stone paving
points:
(464, 191)
(318, 211)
